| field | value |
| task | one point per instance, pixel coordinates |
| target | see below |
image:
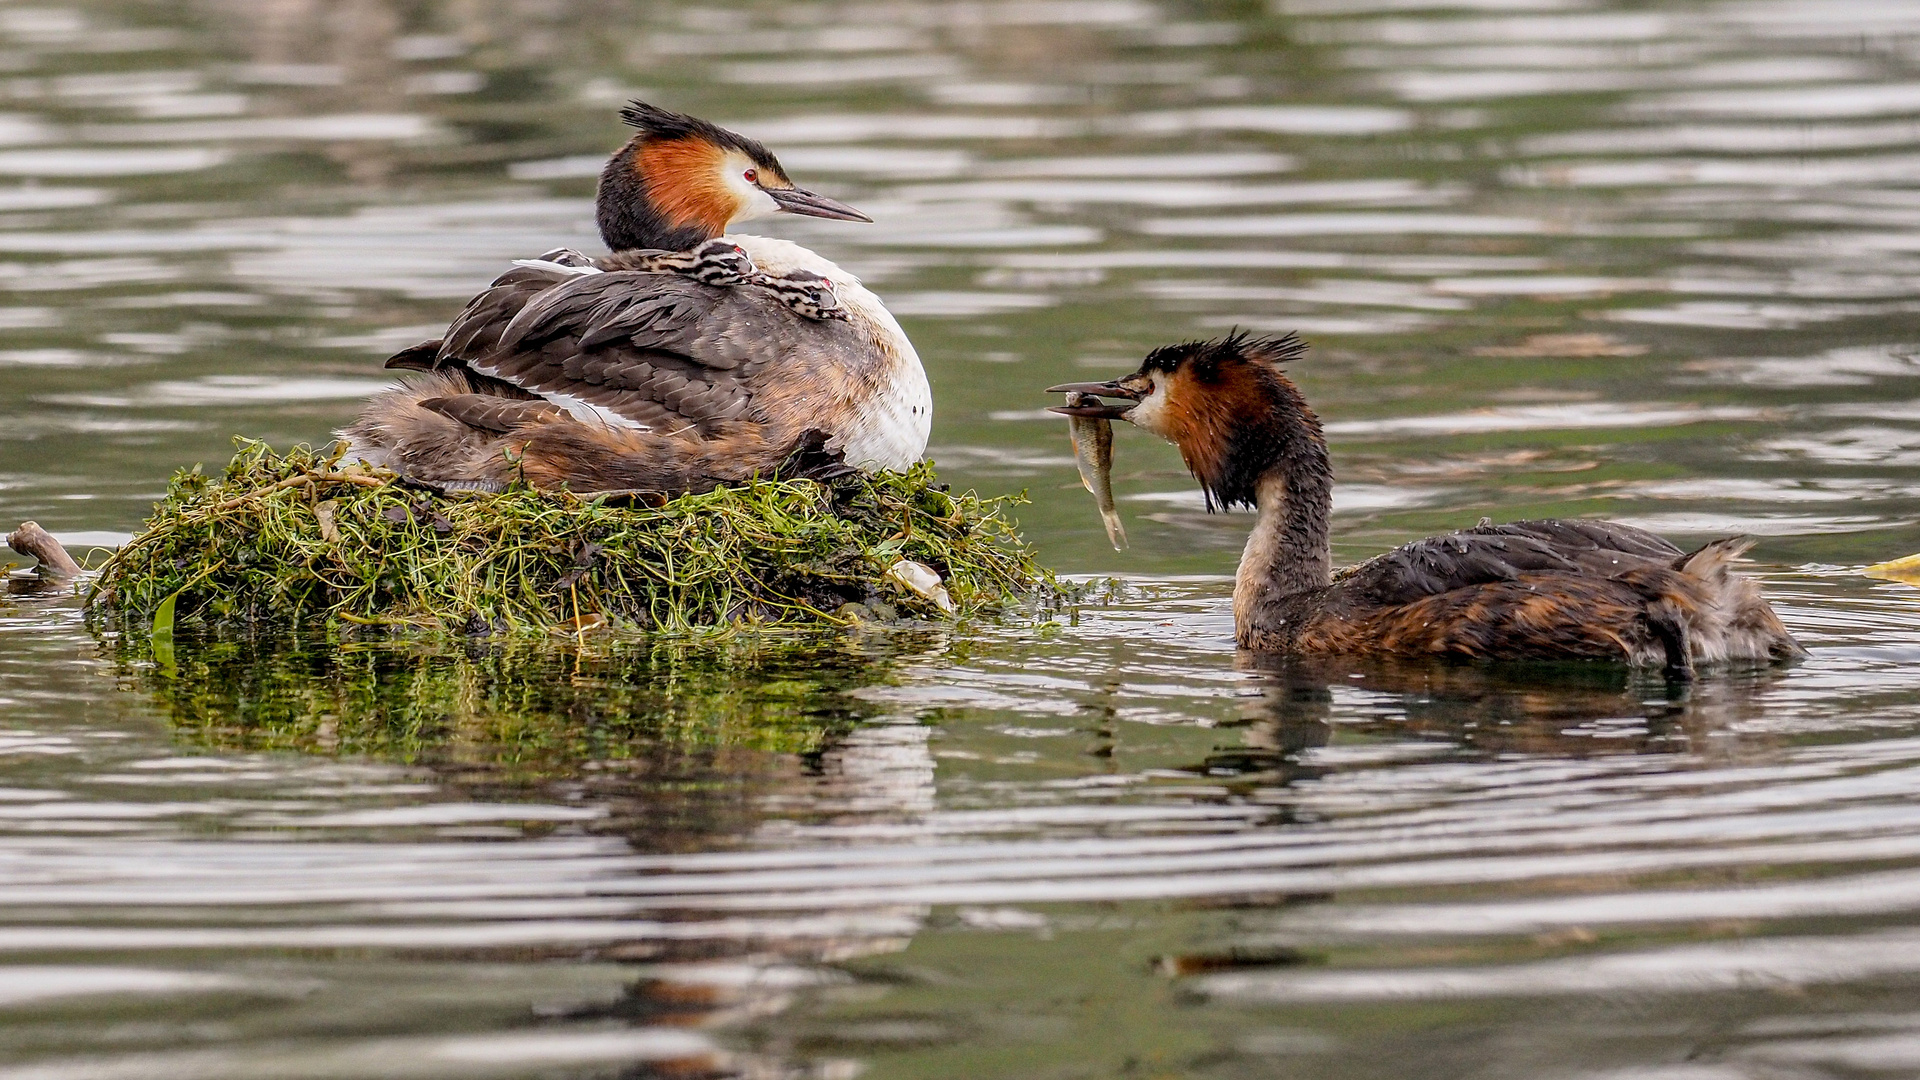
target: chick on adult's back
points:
(599, 374)
(1529, 589)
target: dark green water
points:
(1657, 263)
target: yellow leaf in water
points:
(1906, 569)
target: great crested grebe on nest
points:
(684, 360)
(710, 375)
(1524, 590)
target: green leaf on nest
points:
(161, 635)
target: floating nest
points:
(301, 536)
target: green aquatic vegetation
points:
(301, 536)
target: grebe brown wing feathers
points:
(630, 347)
(716, 327)
(441, 431)
(589, 458)
(422, 357)
(546, 331)
(490, 412)
(1585, 539)
(1544, 589)
(477, 329)
(1493, 553)
(634, 348)
(1643, 617)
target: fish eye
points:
(751, 176)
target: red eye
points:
(752, 177)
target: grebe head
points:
(681, 181)
(1225, 403)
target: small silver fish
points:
(1093, 453)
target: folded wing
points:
(1496, 553)
(642, 350)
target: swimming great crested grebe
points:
(1526, 590)
(683, 360)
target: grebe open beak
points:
(801, 201)
(1101, 411)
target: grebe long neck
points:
(1289, 550)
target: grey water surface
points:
(1657, 262)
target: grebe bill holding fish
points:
(1093, 456)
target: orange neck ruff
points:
(682, 180)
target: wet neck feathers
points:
(1289, 549)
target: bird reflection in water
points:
(1573, 709)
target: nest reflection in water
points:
(669, 737)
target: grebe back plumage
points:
(1524, 590)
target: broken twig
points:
(31, 539)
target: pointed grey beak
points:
(801, 201)
(1098, 410)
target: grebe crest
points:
(1228, 407)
